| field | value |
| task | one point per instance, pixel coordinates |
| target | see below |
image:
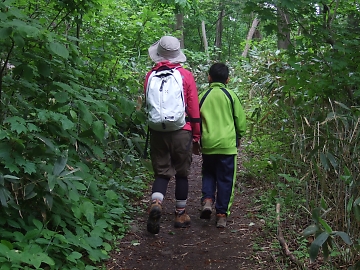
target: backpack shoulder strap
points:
(204, 96)
(226, 92)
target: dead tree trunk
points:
(250, 36)
(180, 27)
(203, 31)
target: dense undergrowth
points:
(304, 155)
(72, 127)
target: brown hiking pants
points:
(171, 153)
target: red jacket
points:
(190, 95)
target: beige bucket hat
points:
(167, 48)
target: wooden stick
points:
(281, 239)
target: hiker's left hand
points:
(196, 148)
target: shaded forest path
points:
(202, 245)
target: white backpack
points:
(165, 100)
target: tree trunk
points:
(203, 31)
(283, 41)
(250, 36)
(219, 28)
(180, 28)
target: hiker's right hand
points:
(196, 148)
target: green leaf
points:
(96, 255)
(99, 129)
(316, 214)
(332, 160)
(315, 246)
(61, 97)
(49, 199)
(59, 49)
(102, 223)
(325, 249)
(94, 241)
(74, 195)
(349, 205)
(12, 177)
(51, 181)
(7, 243)
(325, 225)
(48, 143)
(38, 224)
(324, 162)
(60, 164)
(44, 69)
(74, 256)
(85, 113)
(32, 234)
(88, 211)
(108, 119)
(342, 105)
(5, 32)
(356, 203)
(79, 185)
(345, 237)
(29, 167)
(39, 258)
(19, 41)
(127, 106)
(310, 230)
(3, 249)
(17, 124)
(5, 196)
(111, 195)
(321, 239)
(357, 212)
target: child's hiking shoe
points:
(182, 220)
(153, 223)
(220, 220)
(206, 209)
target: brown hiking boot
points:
(182, 220)
(220, 220)
(206, 209)
(153, 223)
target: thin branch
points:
(282, 241)
(57, 15)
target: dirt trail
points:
(202, 245)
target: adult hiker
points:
(174, 124)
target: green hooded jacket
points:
(221, 123)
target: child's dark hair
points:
(219, 72)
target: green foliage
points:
(305, 114)
(323, 236)
(71, 134)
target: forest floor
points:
(243, 244)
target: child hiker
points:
(223, 123)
